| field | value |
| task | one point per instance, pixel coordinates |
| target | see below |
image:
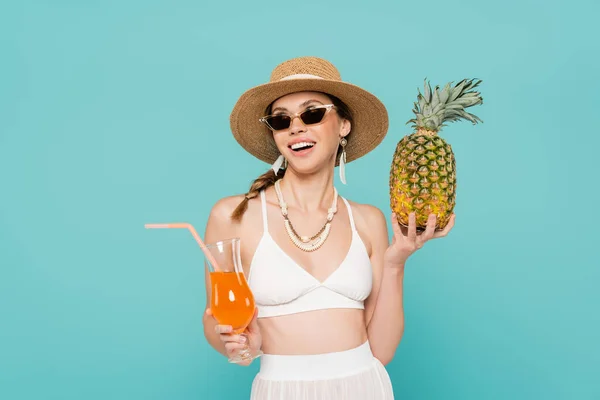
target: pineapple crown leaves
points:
(434, 107)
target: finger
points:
(429, 229)
(209, 312)
(396, 225)
(412, 226)
(233, 347)
(223, 329)
(229, 338)
(447, 228)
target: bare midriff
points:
(313, 332)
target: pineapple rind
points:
(422, 180)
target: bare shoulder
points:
(224, 207)
(220, 222)
(368, 215)
(370, 222)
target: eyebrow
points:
(307, 102)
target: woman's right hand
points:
(235, 343)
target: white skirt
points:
(353, 374)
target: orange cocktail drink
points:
(231, 302)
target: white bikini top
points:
(280, 286)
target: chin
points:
(308, 167)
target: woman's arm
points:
(384, 308)
(385, 311)
(218, 227)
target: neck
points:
(308, 192)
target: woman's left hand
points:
(404, 244)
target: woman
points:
(326, 280)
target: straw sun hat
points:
(307, 74)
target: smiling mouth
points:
(301, 146)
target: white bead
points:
(303, 241)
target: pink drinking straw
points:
(194, 234)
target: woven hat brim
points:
(369, 127)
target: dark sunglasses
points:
(310, 116)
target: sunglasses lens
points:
(309, 117)
(279, 122)
(313, 116)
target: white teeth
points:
(301, 144)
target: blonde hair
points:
(269, 178)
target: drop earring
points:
(343, 143)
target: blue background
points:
(115, 113)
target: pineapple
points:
(423, 171)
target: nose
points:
(297, 126)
